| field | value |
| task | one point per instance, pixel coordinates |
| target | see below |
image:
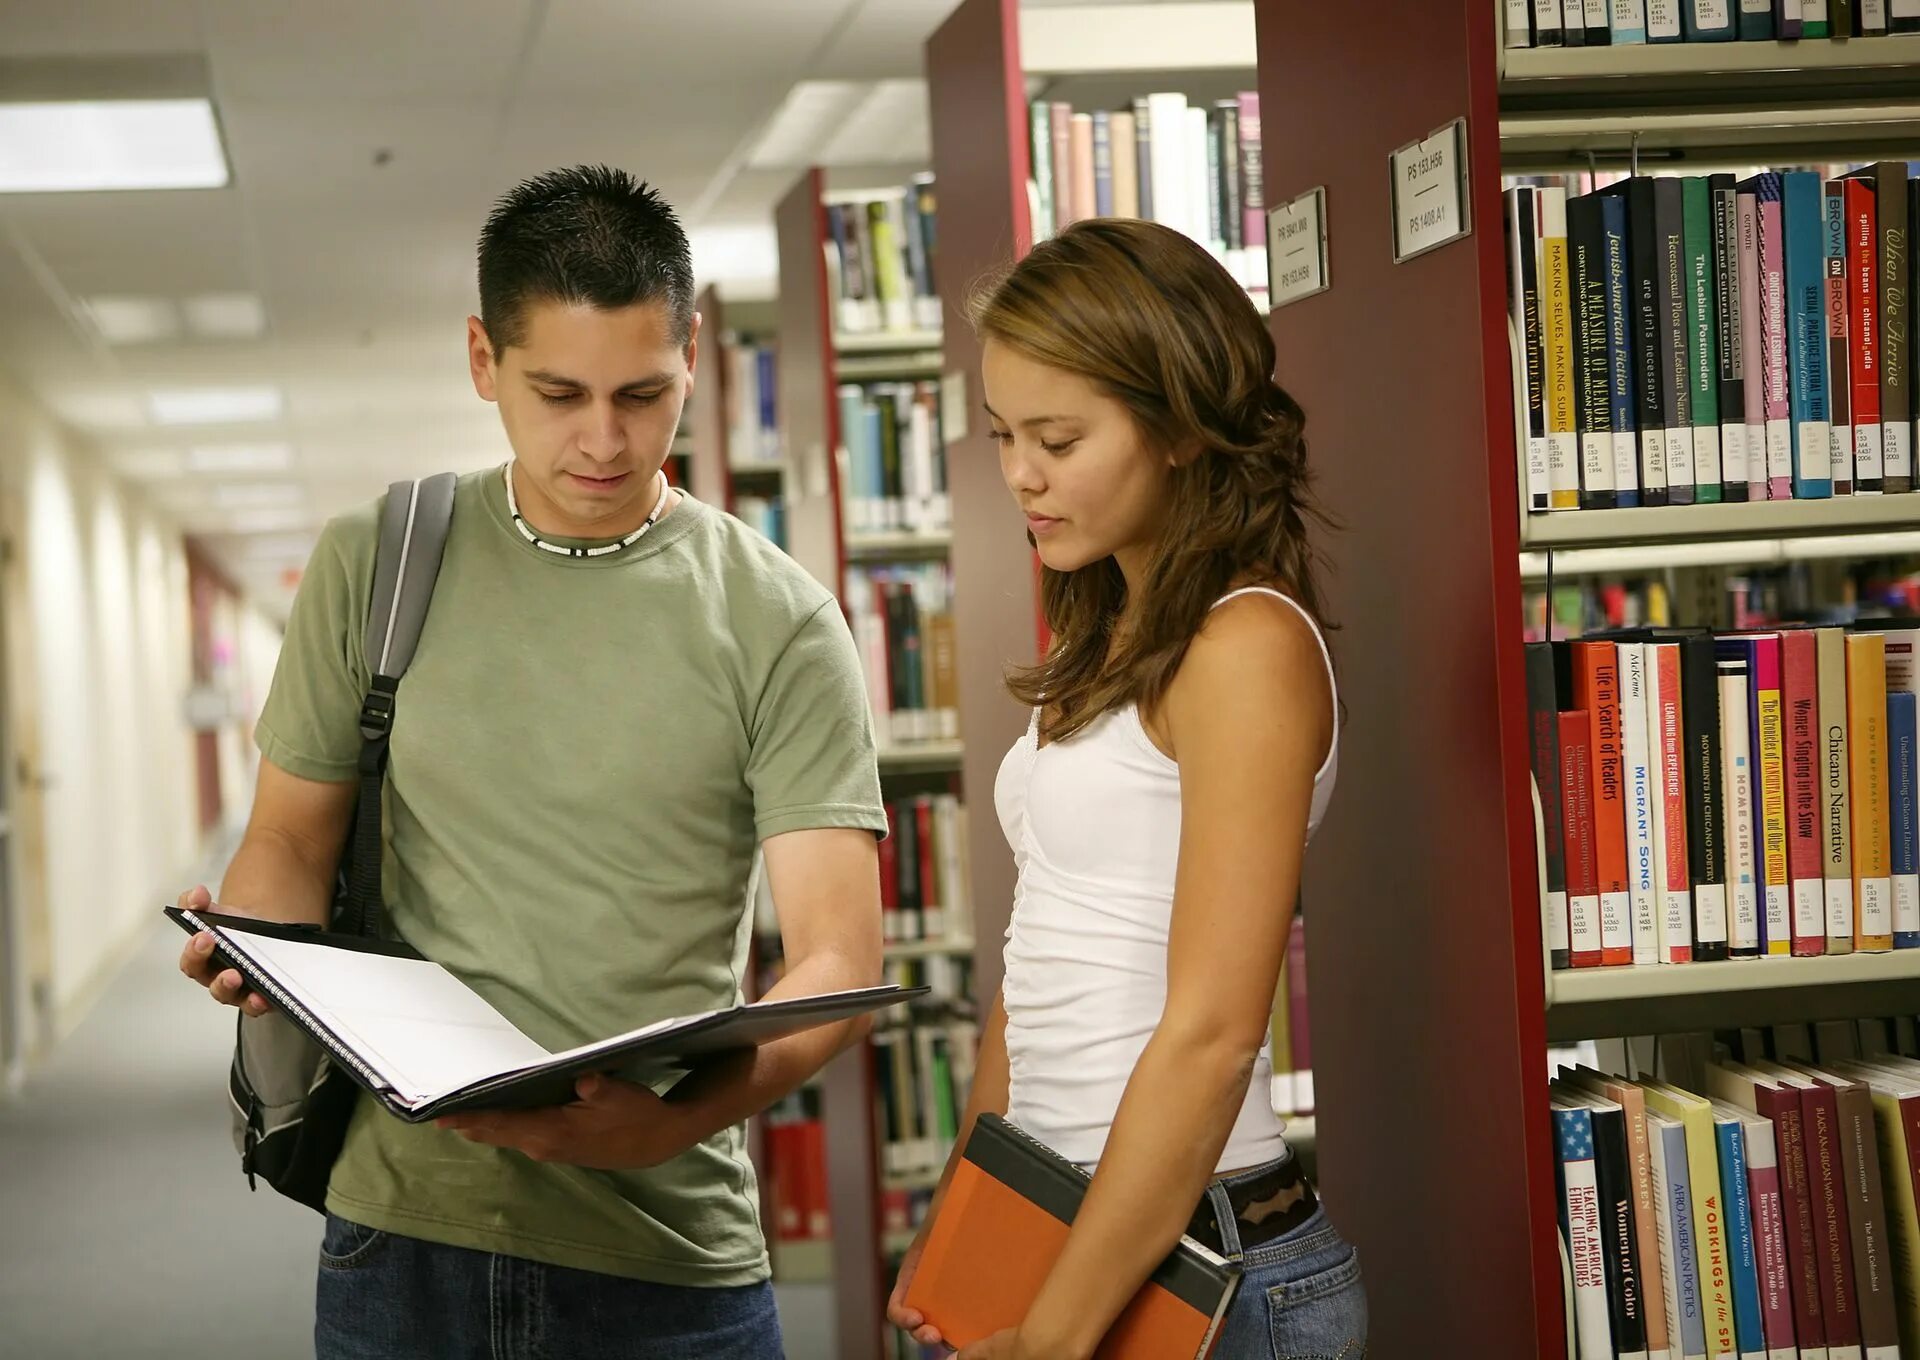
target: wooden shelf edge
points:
(924, 949)
(1709, 523)
(897, 547)
(923, 755)
(884, 342)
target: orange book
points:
(1872, 818)
(1596, 688)
(1000, 1229)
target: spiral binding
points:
(257, 977)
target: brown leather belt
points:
(1266, 1205)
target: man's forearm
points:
(273, 877)
(724, 1093)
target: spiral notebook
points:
(424, 1044)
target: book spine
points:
(1593, 411)
(1786, 20)
(1839, 378)
(1676, 383)
(1123, 137)
(1671, 848)
(1903, 478)
(1867, 737)
(1620, 397)
(1727, 337)
(1041, 136)
(1863, 333)
(1826, 1180)
(1599, 31)
(1645, 848)
(1756, 20)
(1080, 152)
(1903, 759)
(1813, 19)
(1743, 1266)
(1654, 1271)
(1782, 1106)
(1563, 451)
(1803, 229)
(1800, 702)
(1836, 768)
(1253, 192)
(1596, 689)
(1663, 21)
(1703, 339)
(1143, 153)
(1613, 1174)
(1580, 1216)
(1573, 22)
(1706, 820)
(1102, 148)
(1214, 167)
(1873, 1268)
(1523, 263)
(1896, 353)
(1628, 22)
(1517, 18)
(1544, 728)
(1064, 215)
(1770, 769)
(1752, 345)
(1872, 18)
(1773, 330)
(1649, 414)
(1583, 877)
(1674, 1187)
(1769, 1240)
(1233, 217)
(1737, 779)
(1708, 21)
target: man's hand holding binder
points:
(613, 1126)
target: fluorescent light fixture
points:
(267, 521)
(226, 316)
(749, 251)
(148, 465)
(256, 495)
(214, 405)
(222, 459)
(813, 112)
(80, 146)
(133, 320)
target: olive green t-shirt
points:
(585, 753)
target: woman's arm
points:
(989, 1094)
(1250, 716)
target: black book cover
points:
(1543, 736)
(1587, 243)
(1642, 251)
(1523, 223)
(883, 397)
(907, 858)
(1573, 21)
(1833, 204)
(1706, 807)
(1724, 196)
(1676, 386)
(1613, 1176)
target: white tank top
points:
(1094, 824)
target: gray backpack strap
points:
(413, 536)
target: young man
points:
(586, 751)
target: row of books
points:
(1192, 167)
(1706, 797)
(922, 1075)
(753, 423)
(902, 618)
(923, 869)
(1708, 338)
(768, 514)
(1772, 1210)
(881, 261)
(896, 472)
(1602, 23)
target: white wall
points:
(110, 636)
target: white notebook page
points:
(419, 1026)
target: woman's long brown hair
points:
(1153, 320)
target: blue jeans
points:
(1300, 1295)
(386, 1297)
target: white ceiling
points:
(368, 139)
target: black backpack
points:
(291, 1104)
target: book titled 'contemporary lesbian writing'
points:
(424, 1044)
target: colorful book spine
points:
(1800, 707)
(1709, 1209)
(1755, 21)
(1773, 335)
(1903, 763)
(1643, 272)
(1737, 779)
(1703, 340)
(1544, 743)
(1867, 736)
(1836, 779)
(1863, 334)
(1676, 383)
(1764, 692)
(1628, 20)
(1752, 343)
(1839, 379)
(1803, 231)
(1706, 797)
(1641, 775)
(1596, 688)
(1743, 1267)
(1727, 338)
(1767, 1209)
(1620, 398)
(1556, 280)
(1707, 21)
(1524, 302)
(1580, 1218)
(1896, 313)
(1593, 408)
(1667, 748)
(1679, 1252)
(1583, 875)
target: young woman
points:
(1181, 753)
